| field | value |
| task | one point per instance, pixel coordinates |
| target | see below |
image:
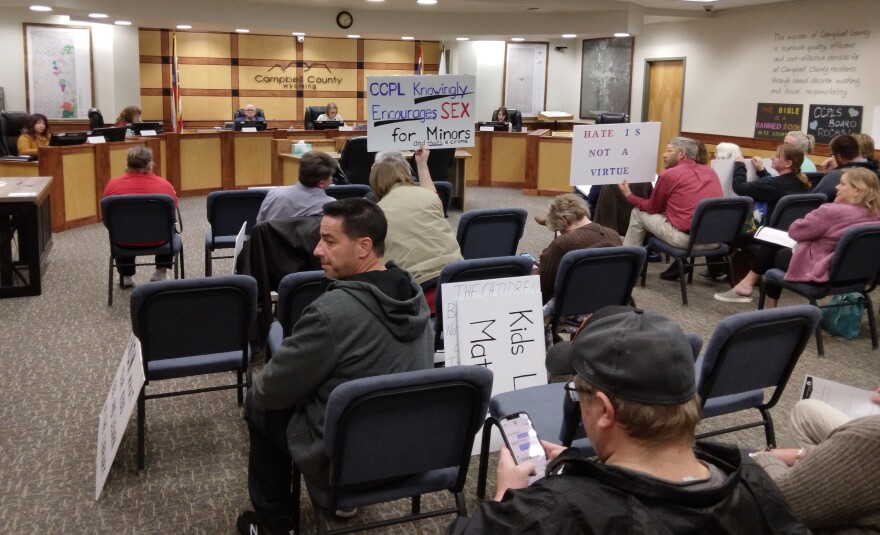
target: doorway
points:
(664, 94)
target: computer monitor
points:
(68, 138)
(259, 125)
(110, 133)
(137, 128)
(229, 125)
(328, 125)
(498, 126)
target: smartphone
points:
(523, 442)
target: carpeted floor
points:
(59, 352)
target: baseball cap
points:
(636, 355)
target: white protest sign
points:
(506, 335)
(724, 170)
(239, 245)
(454, 293)
(404, 112)
(117, 410)
(612, 153)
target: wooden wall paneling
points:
(530, 184)
(485, 159)
(235, 72)
(102, 173)
(200, 162)
(554, 165)
(508, 169)
(15, 169)
(51, 165)
(165, 42)
(253, 157)
(173, 167)
(228, 155)
(79, 170)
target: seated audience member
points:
(250, 115)
(866, 147)
(728, 151)
(420, 239)
(306, 197)
(845, 153)
(570, 217)
(723, 151)
(806, 144)
(34, 135)
(787, 162)
(667, 213)
(129, 115)
(829, 479)
(140, 180)
(332, 113)
(702, 154)
(371, 320)
(636, 388)
(857, 203)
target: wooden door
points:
(664, 82)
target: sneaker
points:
(127, 281)
(709, 276)
(730, 296)
(247, 525)
(345, 513)
(159, 275)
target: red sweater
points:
(678, 191)
(139, 184)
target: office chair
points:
(490, 232)
(384, 429)
(439, 164)
(141, 219)
(790, 208)
(515, 119)
(355, 161)
(750, 352)
(295, 293)
(240, 113)
(96, 119)
(348, 191)
(12, 122)
(227, 210)
(444, 190)
(311, 114)
(193, 327)
(612, 118)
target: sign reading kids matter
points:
(404, 112)
(612, 153)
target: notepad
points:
(773, 235)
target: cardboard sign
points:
(404, 112)
(117, 410)
(828, 121)
(612, 153)
(240, 238)
(773, 121)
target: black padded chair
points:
(439, 164)
(311, 114)
(96, 118)
(11, 123)
(444, 190)
(355, 161)
(515, 119)
(240, 113)
(227, 210)
(193, 327)
(295, 293)
(815, 177)
(790, 208)
(348, 191)
(490, 232)
(612, 118)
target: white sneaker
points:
(127, 281)
(730, 296)
(159, 275)
(345, 513)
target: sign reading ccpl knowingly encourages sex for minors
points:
(404, 112)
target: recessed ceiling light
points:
(241, 30)
(123, 23)
(375, 0)
(703, 1)
(426, 2)
(184, 27)
(353, 36)
(517, 39)
(569, 35)
(621, 34)
(408, 38)
(462, 38)
(97, 15)
(41, 8)
(297, 33)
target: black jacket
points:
(829, 182)
(590, 497)
(766, 187)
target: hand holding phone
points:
(522, 440)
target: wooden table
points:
(25, 214)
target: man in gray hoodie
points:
(371, 320)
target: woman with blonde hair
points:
(805, 143)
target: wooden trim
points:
(484, 177)
(172, 152)
(751, 143)
(165, 43)
(76, 223)
(52, 165)
(102, 174)
(197, 192)
(532, 154)
(227, 160)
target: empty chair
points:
(193, 327)
(748, 353)
(790, 208)
(311, 114)
(11, 123)
(381, 435)
(444, 190)
(475, 270)
(96, 118)
(589, 279)
(141, 219)
(715, 221)
(490, 232)
(348, 191)
(439, 164)
(611, 118)
(355, 161)
(295, 293)
(854, 269)
(227, 210)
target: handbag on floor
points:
(844, 320)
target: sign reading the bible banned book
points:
(404, 112)
(612, 153)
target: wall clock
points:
(344, 20)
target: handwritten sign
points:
(404, 112)
(117, 410)
(828, 121)
(612, 153)
(773, 121)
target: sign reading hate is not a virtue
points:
(404, 112)
(612, 153)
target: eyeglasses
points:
(573, 392)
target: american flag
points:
(176, 108)
(420, 59)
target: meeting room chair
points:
(192, 327)
(790, 208)
(96, 118)
(295, 293)
(11, 123)
(132, 219)
(589, 279)
(490, 232)
(227, 211)
(439, 164)
(348, 191)
(475, 270)
(750, 352)
(815, 177)
(311, 114)
(240, 113)
(556, 418)
(715, 221)
(444, 190)
(611, 118)
(355, 161)
(855, 267)
(409, 433)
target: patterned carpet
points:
(59, 352)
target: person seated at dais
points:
(332, 114)
(129, 115)
(34, 135)
(250, 115)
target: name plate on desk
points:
(148, 133)
(96, 139)
(249, 129)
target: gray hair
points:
(803, 141)
(688, 145)
(139, 159)
(389, 155)
(727, 151)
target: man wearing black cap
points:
(637, 393)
